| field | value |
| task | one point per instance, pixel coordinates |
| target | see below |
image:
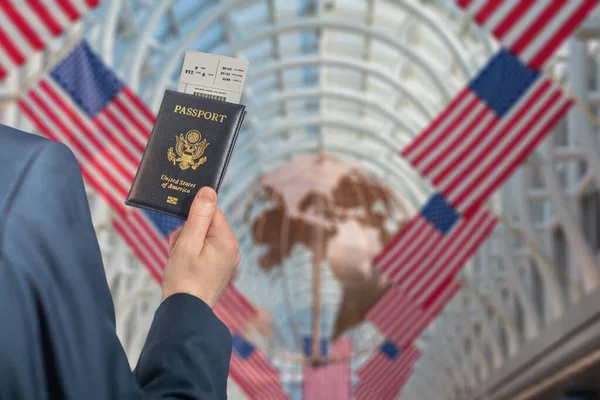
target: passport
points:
(189, 148)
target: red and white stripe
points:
(108, 147)
(28, 25)
(422, 280)
(393, 311)
(377, 365)
(391, 388)
(331, 381)
(419, 268)
(414, 242)
(147, 243)
(257, 377)
(390, 391)
(364, 392)
(234, 309)
(421, 251)
(401, 319)
(432, 307)
(532, 30)
(468, 151)
(382, 378)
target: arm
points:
(202, 259)
(187, 352)
(58, 283)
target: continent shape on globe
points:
(343, 215)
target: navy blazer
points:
(57, 322)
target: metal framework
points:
(359, 79)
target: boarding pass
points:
(213, 76)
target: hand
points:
(203, 254)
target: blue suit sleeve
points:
(185, 327)
(63, 342)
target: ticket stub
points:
(213, 76)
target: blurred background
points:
(316, 188)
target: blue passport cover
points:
(189, 148)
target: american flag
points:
(28, 25)
(386, 372)
(433, 246)
(401, 319)
(532, 30)
(330, 381)
(487, 131)
(82, 103)
(254, 373)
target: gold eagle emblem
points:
(188, 149)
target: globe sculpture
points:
(316, 223)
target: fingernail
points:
(207, 195)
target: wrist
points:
(209, 299)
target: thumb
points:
(201, 215)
